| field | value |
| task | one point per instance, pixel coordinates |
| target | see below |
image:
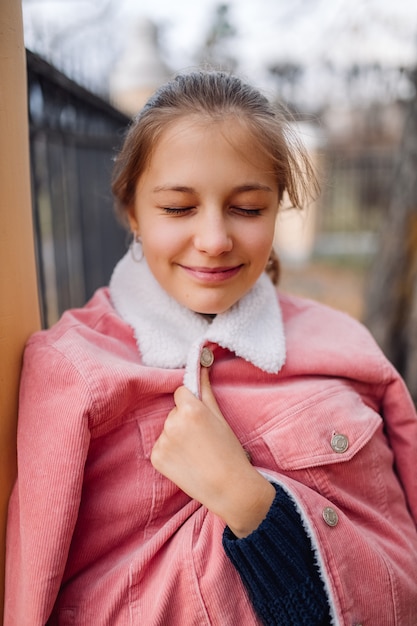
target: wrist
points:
(249, 504)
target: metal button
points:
(330, 516)
(339, 443)
(206, 357)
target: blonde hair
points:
(216, 95)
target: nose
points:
(213, 235)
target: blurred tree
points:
(216, 49)
(82, 45)
(391, 301)
(287, 75)
(83, 38)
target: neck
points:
(208, 316)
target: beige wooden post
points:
(19, 307)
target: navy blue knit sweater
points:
(276, 564)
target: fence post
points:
(19, 307)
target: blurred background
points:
(345, 68)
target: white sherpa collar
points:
(171, 336)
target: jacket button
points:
(206, 357)
(339, 443)
(330, 516)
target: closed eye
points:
(177, 210)
(246, 211)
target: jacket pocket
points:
(330, 428)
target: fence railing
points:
(73, 138)
(355, 200)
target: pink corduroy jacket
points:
(96, 536)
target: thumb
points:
(207, 395)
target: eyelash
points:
(184, 211)
(176, 210)
(248, 212)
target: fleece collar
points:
(169, 335)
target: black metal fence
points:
(357, 189)
(355, 199)
(73, 139)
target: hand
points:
(199, 452)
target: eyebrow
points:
(253, 187)
(173, 188)
(239, 189)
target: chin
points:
(208, 305)
(211, 312)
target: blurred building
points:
(140, 70)
(295, 233)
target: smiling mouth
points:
(212, 274)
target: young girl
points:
(195, 449)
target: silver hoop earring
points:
(136, 249)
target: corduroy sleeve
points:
(276, 564)
(53, 441)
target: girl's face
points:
(205, 208)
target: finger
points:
(181, 395)
(207, 396)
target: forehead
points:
(228, 137)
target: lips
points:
(212, 274)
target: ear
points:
(132, 219)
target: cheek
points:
(260, 241)
(159, 238)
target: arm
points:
(53, 440)
(277, 566)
